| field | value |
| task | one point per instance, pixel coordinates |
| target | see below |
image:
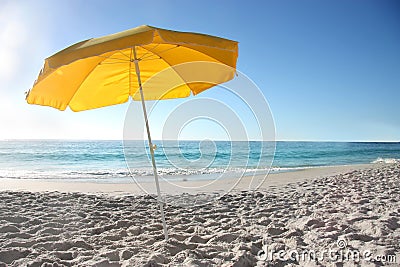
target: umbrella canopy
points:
(100, 72)
(108, 70)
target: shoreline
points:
(180, 186)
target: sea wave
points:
(62, 174)
(121, 173)
(124, 173)
(386, 160)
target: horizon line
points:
(217, 140)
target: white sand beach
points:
(339, 209)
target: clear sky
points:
(330, 70)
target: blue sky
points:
(330, 70)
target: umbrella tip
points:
(26, 93)
(145, 26)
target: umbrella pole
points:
(153, 161)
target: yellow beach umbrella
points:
(109, 70)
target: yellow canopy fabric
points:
(100, 72)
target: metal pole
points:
(136, 61)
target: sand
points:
(342, 209)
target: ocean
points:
(105, 161)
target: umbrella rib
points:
(107, 63)
(151, 59)
(110, 57)
(149, 51)
(124, 54)
(144, 58)
(158, 54)
(121, 60)
(114, 58)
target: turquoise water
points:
(105, 160)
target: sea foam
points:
(386, 160)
